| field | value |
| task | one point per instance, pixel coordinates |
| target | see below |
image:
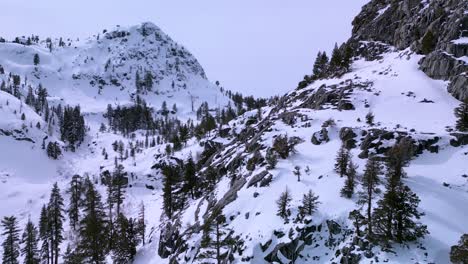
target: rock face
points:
(427, 27)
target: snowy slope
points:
(91, 73)
(404, 100)
(102, 70)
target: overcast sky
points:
(259, 47)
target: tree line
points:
(101, 227)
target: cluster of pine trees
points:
(69, 119)
(396, 216)
(101, 228)
(128, 119)
(144, 84)
(309, 205)
(325, 67)
(72, 126)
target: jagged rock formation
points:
(437, 28)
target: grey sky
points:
(260, 47)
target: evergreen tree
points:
(10, 243)
(169, 188)
(141, 224)
(119, 182)
(30, 242)
(358, 220)
(459, 253)
(370, 181)
(217, 240)
(320, 66)
(126, 240)
(342, 159)
(396, 217)
(55, 210)
(461, 113)
(138, 82)
(71, 257)
(336, 60)
(53, 150)
(72, 127)
(309, 203)
(348, 189)
(148, 81)
(370, 119)
(190, 180)
(283, 204)
(36, 59)
(93, 231)
(45, 235)
(75, 190)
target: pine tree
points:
(309, 203)
(358, 220)
(348, 189)
(44, 235)
(370, 119)
(93, 231)
(459, 253)
(10, 243)
(169, 184)
(71, 257)
(36, 59)
(461, 113)
(126, 240)
(396, 217)
(283, 204)
(148, 81)
(336, 60)
(190, 180)
(30, 242)
(342, 159)
(138, 82)
(75, 190)
(119, 182)
(370, 181)
(217, 240)
(55, 209)
(141, 224)
(320, 66)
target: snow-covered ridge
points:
(103, 69)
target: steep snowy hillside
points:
(137, 71)
(383, 102)
(364, 162)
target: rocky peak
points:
(436, 28)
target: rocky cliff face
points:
(436, 28)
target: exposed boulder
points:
(348, 136)
(257, 178)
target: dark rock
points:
(257, 178)
(333, 227)
(347, 136)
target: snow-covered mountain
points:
(406, 64)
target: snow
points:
(460, 41)
(401, 97)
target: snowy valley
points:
(156, 164)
